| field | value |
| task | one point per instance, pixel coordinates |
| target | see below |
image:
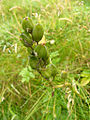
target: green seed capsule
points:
(26, 39)
(38, 32)
(27, 25)
(42, 52)
(33, 61)
(49, 71)
(53, 69)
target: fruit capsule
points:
(42, 52)
(27, 25)
(26, 39)
(38, 32)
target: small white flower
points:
(52, 41)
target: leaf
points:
(56, 60)
(29, 68)
(26, 74)
(32, 75)
(25, 79)
(85, 81)
(85, 73)
(54, 54)
(66, 19)
(22, 73)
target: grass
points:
(67, 23)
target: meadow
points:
(66, 26)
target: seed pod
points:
(46, 73)
(34, 62)
(26, 39)
(38, 32)
(53, 69)
(27, 25)
(47, 61)
(42, 52)
(49, 71)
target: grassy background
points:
(68, 24)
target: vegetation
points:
(24, 93)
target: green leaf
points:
(25, 79)
(54, 54)
(32, 75)
(29, 68)
(26, 74)
(85, 81)
(85, 73)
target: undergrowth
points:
(67, 28)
